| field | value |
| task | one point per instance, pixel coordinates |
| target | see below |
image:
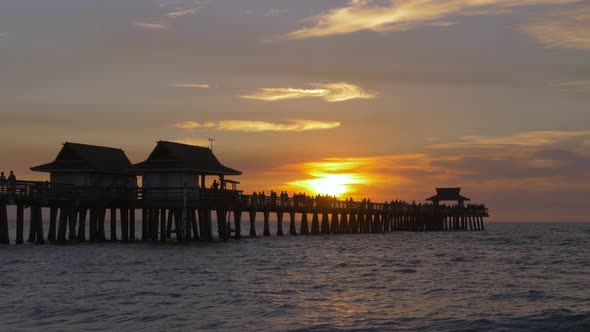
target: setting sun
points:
(329, 184)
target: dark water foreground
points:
(512, 277)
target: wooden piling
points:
(62, 226)
(38, 222)
(334, 227)
(124, 224)
(20, 220)
(100, 234)
(325, 228)
(304, 227)
(31, 238)
(177, 214)
(315, 223)
(132, 224)
(144, 224)
(72, 216)
(238, 224)
(52, 223)
(252, 214)
(113, 224)
(292, 228)
(4, 233)
(163, 224)
(352, 224)
(266, 215)
(222, 224)
(195, 224)
(279, 223)
(82, 224)
(208, 224)
(343, 227)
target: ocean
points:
(523, 277)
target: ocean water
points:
(510, 277)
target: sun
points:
(328, 184)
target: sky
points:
(385, 99)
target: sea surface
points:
(511, 277)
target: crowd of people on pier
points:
(282, 199)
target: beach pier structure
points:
(183, 186)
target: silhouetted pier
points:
(185, 214)
(89, 183)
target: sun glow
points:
(329, 184)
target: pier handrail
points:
(43, 190)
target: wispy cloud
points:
(171, 15)
(394, 15)
(149, 25)
(576, 86)
(190, 85)
(182, 12)
(568, 28)
(331, 92)
(258, 126)
(275, 12)
(525, 139)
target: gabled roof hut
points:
(89, 165)
(448, 194)
(174, 164)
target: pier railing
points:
(46, 191)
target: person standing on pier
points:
(11, 182)
(2, 182)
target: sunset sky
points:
(384, 99)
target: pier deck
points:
(185, 214)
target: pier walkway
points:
(185, 214)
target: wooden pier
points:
(78, 214)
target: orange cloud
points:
(567, 28)
(394, 15)
(182, 12)
(525, 139)
(258, 126)
(190, 85)
(331, 92)
(148, 25)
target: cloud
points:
(164, 21)
(275, 12)
(576, 86)
(2, 34)
(182, 12)
(395, 15)
(258, 126)
(190, 85)
(525, 139)
(568, 28)
(332, 92)
(148, 25)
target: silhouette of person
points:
(11, 181)
(215, 185)
(2, 182)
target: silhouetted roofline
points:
(448, 194)
(87, 158)
(182, 158)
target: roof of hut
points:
(83, 157)
(172, 156)
(448, 194)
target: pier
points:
(186, 214)
(77, 212)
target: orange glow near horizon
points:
(334, 177)
(329, 184)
